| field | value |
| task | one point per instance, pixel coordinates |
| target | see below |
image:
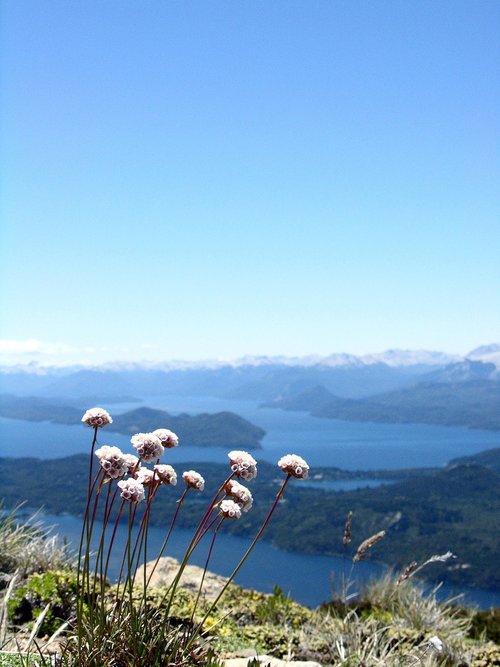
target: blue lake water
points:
(323, 442)
(306, 578)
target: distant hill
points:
(463, 371)
(221, 429)
(490, 458)
(474, 403)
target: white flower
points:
(243, 465)
(148, 446)
(436, 643)
(229, 509)
(166, 474)
(131, 490)
(194, 480)
(97, 417)
(294, 465)
(144, 476)
(240, 494)
(167, 438)
(112, 460)
(133, 462)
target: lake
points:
(306, 578)
(322, 442)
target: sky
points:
(210, 179)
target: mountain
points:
(489, 458)
(254, 378)
(463, 371)
(487, 353)
(221, 429)
(475, 404)
(255, 382)
(411, 358)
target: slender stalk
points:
(216, 529)
(242, 561)
(165, 541)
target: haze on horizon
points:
(208, 181)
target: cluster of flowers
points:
(151, 446)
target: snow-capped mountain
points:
(396, 358)
(489, 354)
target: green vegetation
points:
(58, 589)
(222, 429)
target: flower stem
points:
(242, 560)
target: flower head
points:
(133, 462)
(144, 476)
(132, 490)
(240, 494)
(148, 446)
(112, 460)
(166, 474)
(97, 417)
(229, 509)
(194, 480)
(294, 465)
(167, 438)
(243, 465)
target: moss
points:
(59, 589)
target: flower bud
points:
(97, 418)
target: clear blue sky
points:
(193, 179)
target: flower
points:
(133, 462)
(436, 643)
(243, 465)
(112, 460)
(240, 494)
(229, 509)
(144, 476)
(166, 474)
(294, 465)
(131, 490)
(167, 438)
(97, 417)
(148, 446)
(194, 480)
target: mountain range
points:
(256, 378)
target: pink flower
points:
(166, 474)
(243, 465)
(229, 509)
(294, 465)
(132, 490)
(194, 480)
(148, 446)
(167, 438)
(97, 417)
(133, 462)
(145, 476)
(240, 494)
(112, 460)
